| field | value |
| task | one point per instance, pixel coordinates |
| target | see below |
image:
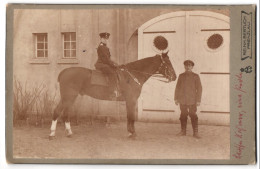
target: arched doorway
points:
(201, 36)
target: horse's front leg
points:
(131, 107)
(131, 128)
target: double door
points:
(200, 36)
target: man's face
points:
(104, 40)
(188, 67)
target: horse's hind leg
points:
(68, 103)
(55, 116)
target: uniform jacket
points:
(188, 89)
(104, 55)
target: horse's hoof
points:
(51, 137)
(132, 135)
(69, 135)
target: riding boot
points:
(114, 85)
(183, 127)
(117, 88)
(113, 91)
(194, 124)
(115, 94)
(116, 91)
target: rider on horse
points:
(105, 64)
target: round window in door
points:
(160, 44)
(214, 42)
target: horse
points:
(76, 81)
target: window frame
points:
(34, 58)
(45, 50)
(70, 45)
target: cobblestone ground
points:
(154, 141)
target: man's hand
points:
(198, 103)
(176, 102)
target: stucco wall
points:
(87, 24)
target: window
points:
(69, 44)
(215, 41)
(41, 45)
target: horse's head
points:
(166, 68)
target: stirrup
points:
(117, 94)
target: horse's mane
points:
(139, 64)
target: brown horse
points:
(77, 80)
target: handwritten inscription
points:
(239, 127)
(239, 131)
(240, 147)
(240, 83)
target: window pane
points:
(73, 45)
(40, 37)
(73, 36)
(40, 53)
(46, 53)
(66, 36)
(40, 45)
(73, 53)
(66, 45)
(66, 53)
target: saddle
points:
(99, 78)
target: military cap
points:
(104, 35)
(188, 62)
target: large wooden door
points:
(208, 46)
(197, 35)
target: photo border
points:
(249, 85)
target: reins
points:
(152, 74)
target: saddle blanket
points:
(99, 78)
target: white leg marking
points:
(68, 128)
(53, 127)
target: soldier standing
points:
(105, 64)
(188, 93)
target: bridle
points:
(163, 67)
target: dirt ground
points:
(154, 141)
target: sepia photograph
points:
(102, 82)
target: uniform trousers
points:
(191, 111)
(188, 110)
